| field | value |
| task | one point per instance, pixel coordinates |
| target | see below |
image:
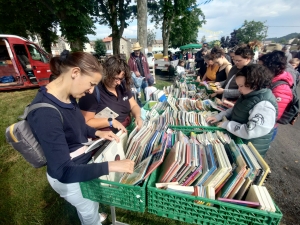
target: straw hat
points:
(136, 46)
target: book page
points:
(106, 113)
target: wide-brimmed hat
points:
(136, 46)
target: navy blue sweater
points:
(59, 139)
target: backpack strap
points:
(97, 93)
(277, 83)
(30, 108)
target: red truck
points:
(23, 64)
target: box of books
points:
(212, 178)
(109, 189)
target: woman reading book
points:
(115, 94)
(62, 141)
(254, 114)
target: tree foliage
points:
(115, 14)
(164, 12)
(28, 19)
(100, 47)
(150, 37)
(233, 41)
(184, 29)
(252, 30)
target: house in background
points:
(157, 46)
(125, 46)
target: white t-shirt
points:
(149, 91)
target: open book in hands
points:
(107, 113)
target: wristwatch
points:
(110, 122)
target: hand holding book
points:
(109, 135)
(125, 166)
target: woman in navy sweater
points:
(77, 74)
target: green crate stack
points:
(184, 208)
(147, 107)
(119, 195)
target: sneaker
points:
(103, 216)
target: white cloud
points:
(224, 16)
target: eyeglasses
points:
(119, 79)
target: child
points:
(150, 89)
(137, 81)
(254, 114)
(180, 67)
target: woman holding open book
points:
(113, 108)
(254, 114)
(62, 138)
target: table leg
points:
(113, 217)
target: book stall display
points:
(186, 168)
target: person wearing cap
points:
(139, 65)
(150, 89)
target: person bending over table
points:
(115, 94)
(76, 74)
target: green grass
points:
(25, 195)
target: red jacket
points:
(283, 93)
(133, 66)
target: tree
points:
(282, 41)
(142, 23)
(183, 30)
(215, 43)
(225, 42)
(164, 12)
(20, 20)
(150, 37)
(252, 30)
(233, 39)
(203, 39)
(114, 14)
(100, 47)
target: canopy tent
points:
(189, 46)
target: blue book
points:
(211, 162)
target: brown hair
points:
(245, 52)
(114, 65)
(208, 57)
(85, 61)
(257, 76)
(217, 52)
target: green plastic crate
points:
(119, 195)
(183, 207)
(148, 105)
(189, 129)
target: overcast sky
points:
(223, 16)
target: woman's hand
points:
(198, 79)
(109, 135)
(116, 124)
(220, 124)
(213, 95)
(219, 91)
(211, 119)
(139, 122)
(124, 166)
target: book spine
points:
(192, 175)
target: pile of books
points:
(212, 165)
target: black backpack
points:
(291, 112)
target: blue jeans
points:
(143, 86)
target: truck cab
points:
(23, 64)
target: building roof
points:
(107, 39)
(158, 41)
